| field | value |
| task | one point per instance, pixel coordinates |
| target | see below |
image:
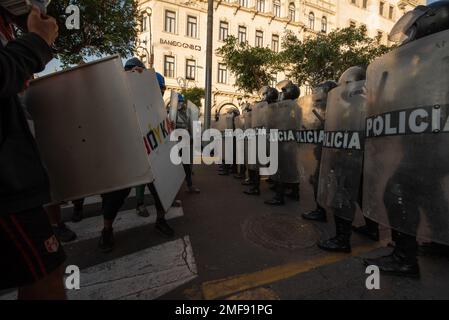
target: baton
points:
(318, 115)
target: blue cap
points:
(160, 80)
(133, 62)
(180, 98)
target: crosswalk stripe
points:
(146, 274)
(91, 227)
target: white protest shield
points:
(154, 123)
(173, 112)
(87, 130)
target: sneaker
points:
(63, 233)
(106, 241)
(142, 211)
(163, 227)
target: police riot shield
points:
(406, 170)
(247, 122)
(259, 124)
(87, 130)
(193, 114)
(342, 154)
(154, 123)
(309, 139)
(285, 117)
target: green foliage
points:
(252, 66)
(194, 95)
(106, 27)
(327, 56)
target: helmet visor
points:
(401, 32)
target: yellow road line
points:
(224, 287)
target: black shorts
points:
(29, 249)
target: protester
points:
(32, 257)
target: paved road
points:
(231, 246)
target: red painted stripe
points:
(30, 244)
(20, 248)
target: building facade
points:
(172, 35)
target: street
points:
(231, 246)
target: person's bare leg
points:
(49, 288)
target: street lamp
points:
(148, 12)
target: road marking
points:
(232, 285)
(91, 227)
(97, 199)
(256, 294)
(147, 274)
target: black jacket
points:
(24, 182)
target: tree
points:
(106, 27)
(327, 56)
(252, 66)
(194, 95)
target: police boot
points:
(402, 261)
(225, 171)
(342, 241)
(294, 192)
(278, 199)
(241, 173)
(369, 230)
(250, 180)
(319, 214)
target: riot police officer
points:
(258, 122)
(284, 116)
(407, 119)
(340, 177)
(313, 108)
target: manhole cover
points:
(278, 231)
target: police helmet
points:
(421, 22)
(289, 90)
(353, 74)
(269, 94)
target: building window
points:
(353, 2)
(224, 31)
(222, 73)
(292, 12)
(170, 21)
(324, 24)
(260, 5)
(277, 8)
(169, 66)
(192, 26)
(243, 3)
(259, 38)
(365, 4)
(190, 69)
(144, 25)
(381, 8)
(391, 13)
(311, 21)
(275, 43)
(242, 34)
